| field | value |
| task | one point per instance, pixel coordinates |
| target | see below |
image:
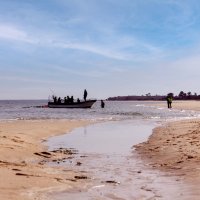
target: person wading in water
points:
(169, 101)
(102, 104)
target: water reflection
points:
(115, 170)
(108, 137)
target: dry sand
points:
(23, 172)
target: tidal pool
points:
(107, 156)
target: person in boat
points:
(68, 99)
(102, 104)
(59, 100)
(54, 99)
(72, 99)
(85, 94)
(78, 100)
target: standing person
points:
(102, 104)
(169, 101)
(72, 99)
(85, 94)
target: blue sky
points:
(109, 47)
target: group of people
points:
(66, 100)
(70, 100)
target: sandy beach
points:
(23, 172)
(173, 147)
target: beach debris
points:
(5, 163)
(59, 160)
(175, 167)
(81, 177)
(45, 155)
(70, 157)
(27, 175)
(83, 156)
(112, 182)
(73, 180)
(180, 161)
(21, 174)
(78, 163)
(190, 157)
(16, 170)
(65, 151)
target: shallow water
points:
(106, 153)
(116, 137)
(114, 110)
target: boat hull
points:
(82, 104)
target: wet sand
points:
(181, 105)
(175, 148)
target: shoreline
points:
(193, 105)
(172, 143)
(24, 174)
(174, 148)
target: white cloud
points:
(10, 32)
(31, 80)
(86, 73)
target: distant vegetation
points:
(147, 97)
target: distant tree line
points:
(148, 97)
(185, 96)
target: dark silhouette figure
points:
(54, 99)
(85, 94)
(68, 99)
(102, 104)
(59, 100)
(169, 101)
(72, 99)
(78, 100)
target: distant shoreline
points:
(152, 98)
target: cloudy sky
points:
(109, 47)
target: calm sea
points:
(114, 110)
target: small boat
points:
(81, 104)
